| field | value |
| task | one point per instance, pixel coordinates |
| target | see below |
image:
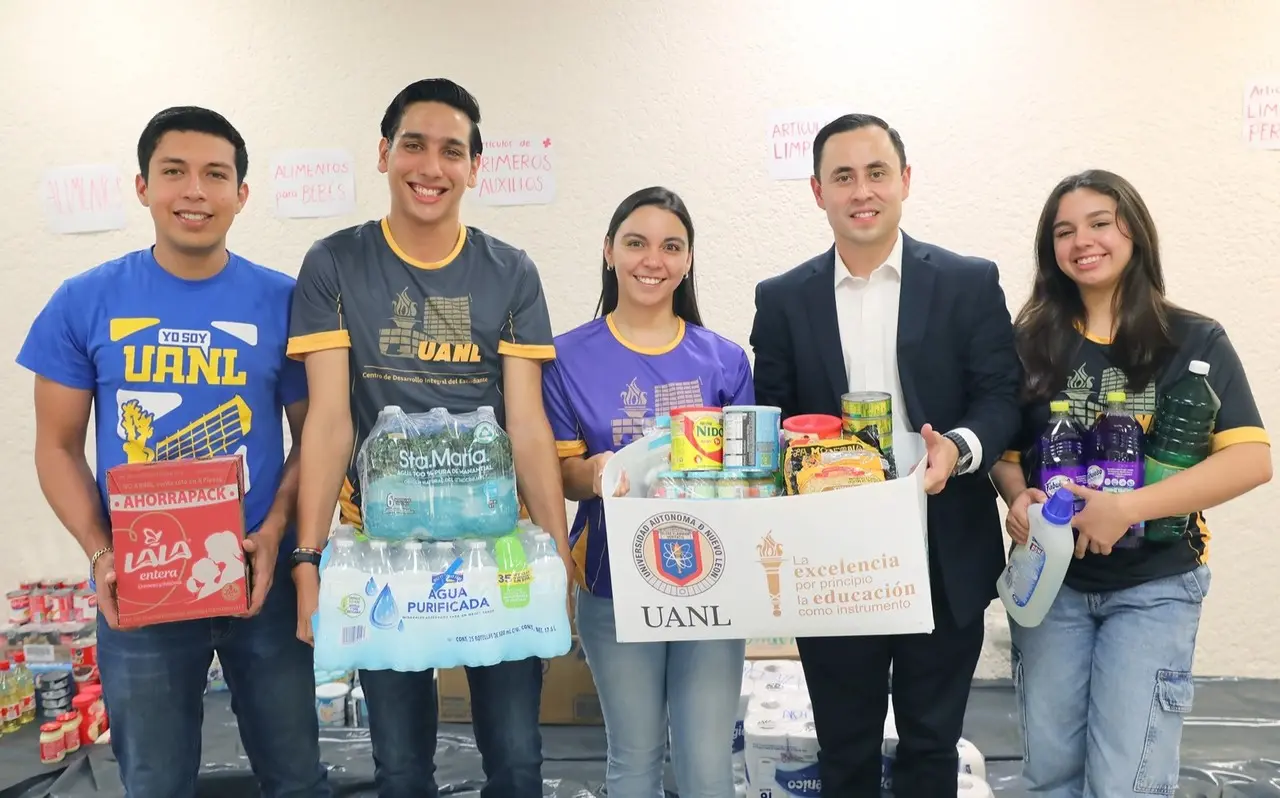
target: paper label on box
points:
(845, 562)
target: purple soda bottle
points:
(1062, 452)
(1115, 464)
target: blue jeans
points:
(505, 701)
(1103, 685)
(694, 685)
(153, 682)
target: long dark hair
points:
(1047, 336)
(685, 300)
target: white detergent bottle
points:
(1034, 575)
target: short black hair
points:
(192, 119)
(434, 90)
(849, 122)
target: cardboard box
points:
(568, 692)
(772, 648)
(178, 528)
(845, 562)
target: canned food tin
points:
(53, 679)
(19, 607)
(331, 703)
(868, 416)
(697, 439)
(701, 485)
(751, 436)
(667, 485)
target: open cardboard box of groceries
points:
(831, 559)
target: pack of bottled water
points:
(437, 476)
(415, 605)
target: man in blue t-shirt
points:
(180, 350)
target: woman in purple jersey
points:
(645, 353)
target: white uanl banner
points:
(845, 562)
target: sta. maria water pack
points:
(442, 574)
(437, 476)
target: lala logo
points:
(156, 554)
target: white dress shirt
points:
(867, 313)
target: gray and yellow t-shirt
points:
(421, 335)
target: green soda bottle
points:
(1181, 436)
(514, 575)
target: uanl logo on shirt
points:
(180, 356)
(441, 334)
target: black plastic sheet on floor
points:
(1230, 749)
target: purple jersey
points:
(602, 392)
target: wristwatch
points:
(301, 555)
(966, 456)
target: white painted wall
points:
(997, 99)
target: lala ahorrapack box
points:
(177, 528)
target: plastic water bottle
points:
(1181, 437)
(1116, 465)
(384, 613)
(478, 645)
(1062, 451)
(1035, 571)
(445, 603)
(346, 596)
(548, 616)
(410, 581)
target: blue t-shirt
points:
(179, 369)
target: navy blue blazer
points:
(958, 367)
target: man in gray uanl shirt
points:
(421, 311)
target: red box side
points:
(177, 531)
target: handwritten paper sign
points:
(1262, 114)
(306, 184)
(516, 170)
(83, 199)
(789, 140)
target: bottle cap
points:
(1059, 406)
(389, 410)
(1198, 367)
(1060, 508)
(1115, 396)
(413, 545)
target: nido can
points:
(751, 436)
(697, 439)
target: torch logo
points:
(770, 552)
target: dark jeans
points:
(153, 682)
(848, 685)
(505, 700)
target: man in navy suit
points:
(880, 311)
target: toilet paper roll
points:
(784, 671)
(765, 739)
(968, 786)
(764, 707)
(796, 773)
(972, 762)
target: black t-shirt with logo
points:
(1088, 383)
(421, 335)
